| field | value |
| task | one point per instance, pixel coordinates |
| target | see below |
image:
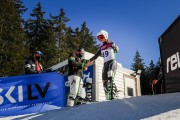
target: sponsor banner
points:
(31, 93)
(88, 75)
(88, 81)
(170, 56)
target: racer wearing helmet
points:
(107, 50)
(75, 77)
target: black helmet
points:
(80, 52)
(72, 55)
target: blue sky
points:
(131, 24)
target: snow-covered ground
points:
(156, 107)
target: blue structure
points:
(31, 93)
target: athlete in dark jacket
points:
(75, 77)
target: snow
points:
(153, 107)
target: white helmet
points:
(104, 33)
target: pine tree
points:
(83, 38)
(72, 41)
(20, 9)
(87, 40)
(11, 38)
(139, 65)
(36, 29)
(50, 48)
(59, 22)
(41, 36)
(150, 73)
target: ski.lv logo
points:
(19, 93)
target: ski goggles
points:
(100, 37)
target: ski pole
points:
(83, 63)
(152, 88)
(111, 82)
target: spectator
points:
(157, 84)
(33, 64)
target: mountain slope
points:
(134, 108)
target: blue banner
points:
(31, 93)
(88, 75)
(88, 81)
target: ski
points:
(86, 101)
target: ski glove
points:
(115, 47)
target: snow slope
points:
(156, 107)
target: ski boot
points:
(70, 101)
(115, 91)
(80, 100)
(112, 92)
(107, 88)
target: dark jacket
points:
(160, 75)
(75, 66)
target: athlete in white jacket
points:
(107, 50)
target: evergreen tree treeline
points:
(12, 50)
(148, 73)
(19, 38)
